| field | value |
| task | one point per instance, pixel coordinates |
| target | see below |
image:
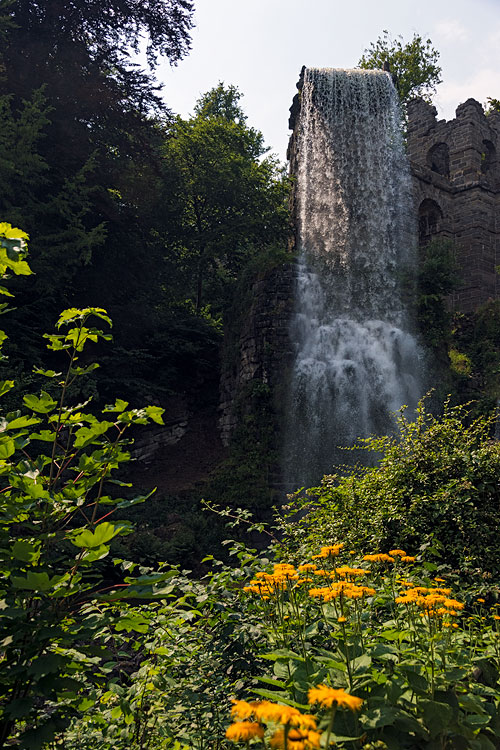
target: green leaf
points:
(46, 373)
(21, 422)
(270, 681)
(119, 406)
(155, 413)
(43, 404)
(6, 386)
(416, 681)
(437, 716)
(280, 654)
(103, 533)
(7, 448)
(86, 435)
(36, 581)
(26, 551)
(379, 717)
(133, 621)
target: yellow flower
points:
(244, 730)
(242, 709)
(496, 617)
(397, 552)
(327, 696)
(342, 619)
(267, 711)
(380, 557)
(408, 558)
(331, 551)
(481, 600)
(298, 739)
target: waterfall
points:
(356, 359)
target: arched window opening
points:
(429, 220)
(438, 159)
(488, 157)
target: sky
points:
(260, 46)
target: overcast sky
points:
(260, 46)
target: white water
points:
(356, 360)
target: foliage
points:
(232, 203)
(377, 650)
(243, 479)
(437, 278)
(493, 105)
(414, 65)
(58, 630)
(335, 647)
(476, 336)
(438, 480)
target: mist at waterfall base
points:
(356, 358)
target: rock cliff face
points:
(259, 349)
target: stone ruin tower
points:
(456, 177)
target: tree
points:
(493, 105)
(79, 148)
(414, 65)
(231, 201)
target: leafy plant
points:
(437, 480)
(59, 633)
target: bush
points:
(437, 481)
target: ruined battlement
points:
(456, 179)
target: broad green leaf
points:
(36, 581)
(7, 448)
(379, 717)
(119, 406)
(437, 716)
(43, 404)
(155, 413)
(133, 621)
(26, 551)
(86, 435)
(20, 422)
(46, 373)
(103, 533)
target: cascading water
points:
(356, 360)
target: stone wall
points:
(456, 176)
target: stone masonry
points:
(456, 177)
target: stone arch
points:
(488, 157)
(438, 159)
(430, 217)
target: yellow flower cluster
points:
(341, 588)
(327, 697)
(331, 551)
(379, 557)
(345, 571)
(249, 718)
(435, 601)
(270, 584)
